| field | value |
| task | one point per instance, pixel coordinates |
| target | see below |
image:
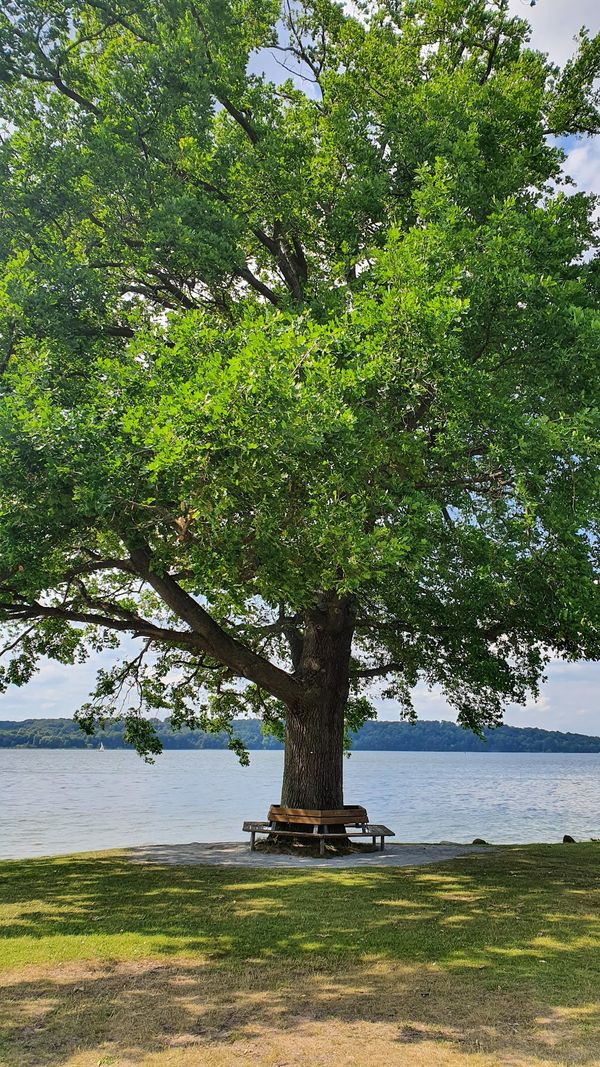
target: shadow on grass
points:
(130, 1012)
(495, 953)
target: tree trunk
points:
(313, 766)
(314, 736)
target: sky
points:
(570, 699)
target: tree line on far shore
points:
(422, 736)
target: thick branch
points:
(240, 117)
(116, 330)
(288, 626)
(491, 57)
(204, 636)
(174, 290)
(137, 626)
(377, 672)
(216, 642)
(110, 564)
(76, 97)
(260, 287)
(52, 76)
(276, 248)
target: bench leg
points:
(382, 843)
(322, 847)
(252, 837)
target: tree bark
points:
(313, 764)
(314, 736)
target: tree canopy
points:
(275, 345)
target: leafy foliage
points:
(273, 344)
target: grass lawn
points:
(490, 959)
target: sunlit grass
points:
(492, 943)
(505, 904)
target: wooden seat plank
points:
(304, 820)
(349, 809)
(320, 833)
(374, 830)
(350, 815)
(320, 811)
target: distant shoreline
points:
(378, 736)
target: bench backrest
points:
(349, 814)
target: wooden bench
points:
(320, 824)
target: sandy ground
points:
(238, 854)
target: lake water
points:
(69, 800)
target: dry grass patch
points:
(185, 1014)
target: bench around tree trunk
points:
(320, 824)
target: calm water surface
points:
(54, 800)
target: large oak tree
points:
(300, 373)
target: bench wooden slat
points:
(350, 815)
(348, 809)
(321, 833)
(312, 820)
(369, 829)
(373, 830)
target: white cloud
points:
(556, 23)
(541, 703)
(583, 165)
(56, 690)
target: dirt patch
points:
(149, 1014)
(304, 848)
(239, 854)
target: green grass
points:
(516, 921)
(509, 909)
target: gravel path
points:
(238, 854)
